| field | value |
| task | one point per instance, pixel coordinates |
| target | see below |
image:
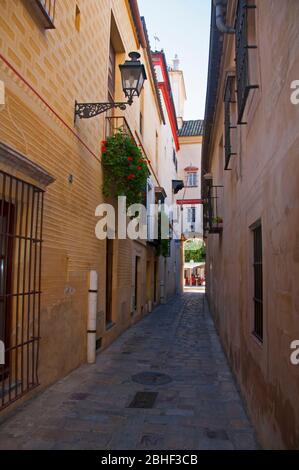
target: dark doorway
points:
(109, 281)
(136, 294)
(155, 280)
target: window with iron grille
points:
(258, 281)
(111, 71)
(228, 100)
(46, 12)
(21, 215)
(213, 206)
(242, 57)
(141, 123)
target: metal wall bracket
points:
(89, 110)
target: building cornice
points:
(165, 87)
(18, 162)
(215, 55)
(134, 9)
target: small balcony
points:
(116, 124)
(45, 10)
(213, 216)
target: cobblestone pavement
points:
(200, 407)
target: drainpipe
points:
(220, 21)
(92, 317)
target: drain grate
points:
(151, 378)
(217, 434)
(144, 400)
(79, 396)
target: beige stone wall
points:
(263, 184)
(61, 66)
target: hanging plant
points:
(125, 169)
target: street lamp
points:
(133, 76)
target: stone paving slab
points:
(89, 409)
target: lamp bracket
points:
(89, 110)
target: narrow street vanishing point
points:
(165, 384)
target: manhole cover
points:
(151, 378)
(144, 400)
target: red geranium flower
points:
(139, 168)
(131, 176)
(130, 159)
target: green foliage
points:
(125, 169)
(195, 251)
(163, 248)
(163, 244)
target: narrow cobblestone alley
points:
(193, 404)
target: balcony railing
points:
(115, 124)
(213, 217)
(46, 12)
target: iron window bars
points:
(213, 222)
(258, 282)
(21, 215)
(116, 124)
(242, 59)
(46, 10)
(228, 99)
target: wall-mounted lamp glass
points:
(133, 76)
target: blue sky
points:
(183, 28)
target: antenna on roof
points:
(156, 40)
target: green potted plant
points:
(218, 221)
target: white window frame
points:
(192, 179)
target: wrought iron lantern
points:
(133, 76)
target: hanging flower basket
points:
(125, 169)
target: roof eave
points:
(216, 49)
